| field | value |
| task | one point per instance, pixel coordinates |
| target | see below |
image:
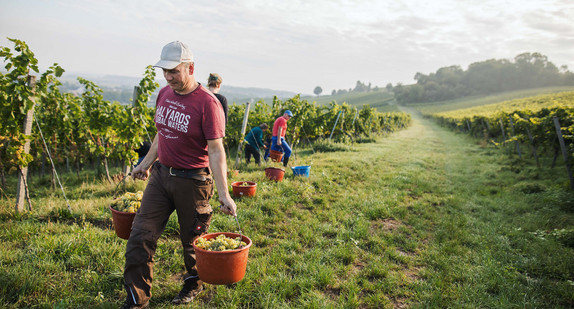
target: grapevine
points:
(532, 121)
(84, 129)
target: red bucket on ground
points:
(222, 267)
(244, 188)
(274, 173)
(122, 222)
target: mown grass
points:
(423, 218)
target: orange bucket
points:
(244, 188)
(275, 155)
(274, 173)
(122, 222)
(222, 267)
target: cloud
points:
(292, 45)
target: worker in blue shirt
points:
(254, 141)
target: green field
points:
(470, 102)
(533, 104)
(424, 218)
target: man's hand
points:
(140, 172)
(228, 206)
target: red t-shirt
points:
(280, 122)
(184, 124)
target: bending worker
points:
(278, 142)
(254, 141)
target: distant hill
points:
(380, 99)
(242, 95)
(120, 88)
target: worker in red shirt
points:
(278, 142)
(185, 160)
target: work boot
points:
(189, 291)
(285, 161)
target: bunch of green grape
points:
(220, 243)
(129, 202)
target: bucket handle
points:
(240, 233)
(118, 185)
(238, 226)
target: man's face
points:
(179, 78)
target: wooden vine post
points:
(564, 150)
(336, 121)
(534, 151)
(516, 142)
(503, 134)
(243, 126)
(353, 123)
(22, 188)
(127, 166)
(486, 127)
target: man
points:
(254, 141)
(214, 85)
(190, 127)
(278, 142)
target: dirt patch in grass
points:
(388, 224)
(332, 292)
(412, 273)
(399, 303)
(357, 267)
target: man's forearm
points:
(279, 133)
(218, 166)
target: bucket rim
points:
(228, 234)
(275, 168)
(236, 184)
(300, 167)
(125, 213)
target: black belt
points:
(195, 173)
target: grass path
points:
(481, 251)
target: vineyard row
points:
(547, 129)
(87, 128)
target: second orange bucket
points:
(275, 155)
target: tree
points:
(318, 90)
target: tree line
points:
(528, 70)
(359, 87)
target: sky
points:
(292, 45)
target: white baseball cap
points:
(173, 54)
